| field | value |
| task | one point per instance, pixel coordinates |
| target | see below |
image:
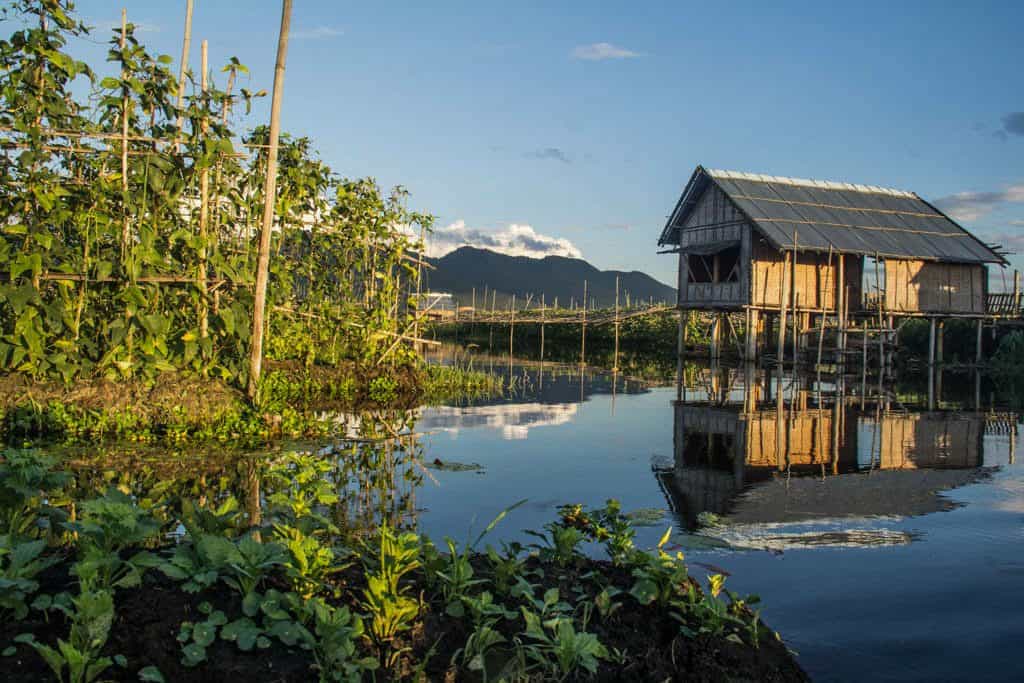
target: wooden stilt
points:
(931, 364)
(781, 347)
(978, 325)
(680, 349)
(940, 341)
(751, 336)
(864, 363)
(841, 309)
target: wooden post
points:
(978, 341)
(753, 319)
(824, 294)
(543, 308)
(841, 309)
(269, 195)
(1016, 293)
(583, 336)
(716, 335)
(931, 364)
(183, 70)
(680, 348)
(940, 341)
(615, 364)
(512, 324)
(864, 363)
(794, 296)
(931, 342)
(783, 295)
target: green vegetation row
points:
(88, 585)
(294, 402)
(127, 246)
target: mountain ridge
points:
(553, 277)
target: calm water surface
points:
(886, 540)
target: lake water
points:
(885, 540)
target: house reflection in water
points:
(760, 448)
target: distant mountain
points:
(466, 268)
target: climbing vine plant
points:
(129, 223)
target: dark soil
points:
(149, 617)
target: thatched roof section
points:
(815, 215)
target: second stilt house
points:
(771, 246)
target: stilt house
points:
(764, 243)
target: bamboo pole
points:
(978, 341)
(583, 335)
(511, 325)
(781, 347)
(124, 148)
(864, 363)
(542, 310)
(1016, 292)
(841, 310)
(126, 265)
(419, 285)
(269, 195)
(821, 323)
(183, 69)
(204, 208)
(615, 365)
(795, 297)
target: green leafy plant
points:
(386, 600)
(20, 565)
(109, 526)
(91, 618)
(559, 648)
(196, 637)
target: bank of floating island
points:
(837, 253)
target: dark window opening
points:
(722, 266)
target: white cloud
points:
(318, 33)
(971, 206)
(515, 240)
(602, 51)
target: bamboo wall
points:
(808, 435)
(913, 440)
(926, 287)
(713, 208)
(816, 281)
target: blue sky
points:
(572, 127)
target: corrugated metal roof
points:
(815, 215)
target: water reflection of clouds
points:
(513, 420)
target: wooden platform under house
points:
(823, 269)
